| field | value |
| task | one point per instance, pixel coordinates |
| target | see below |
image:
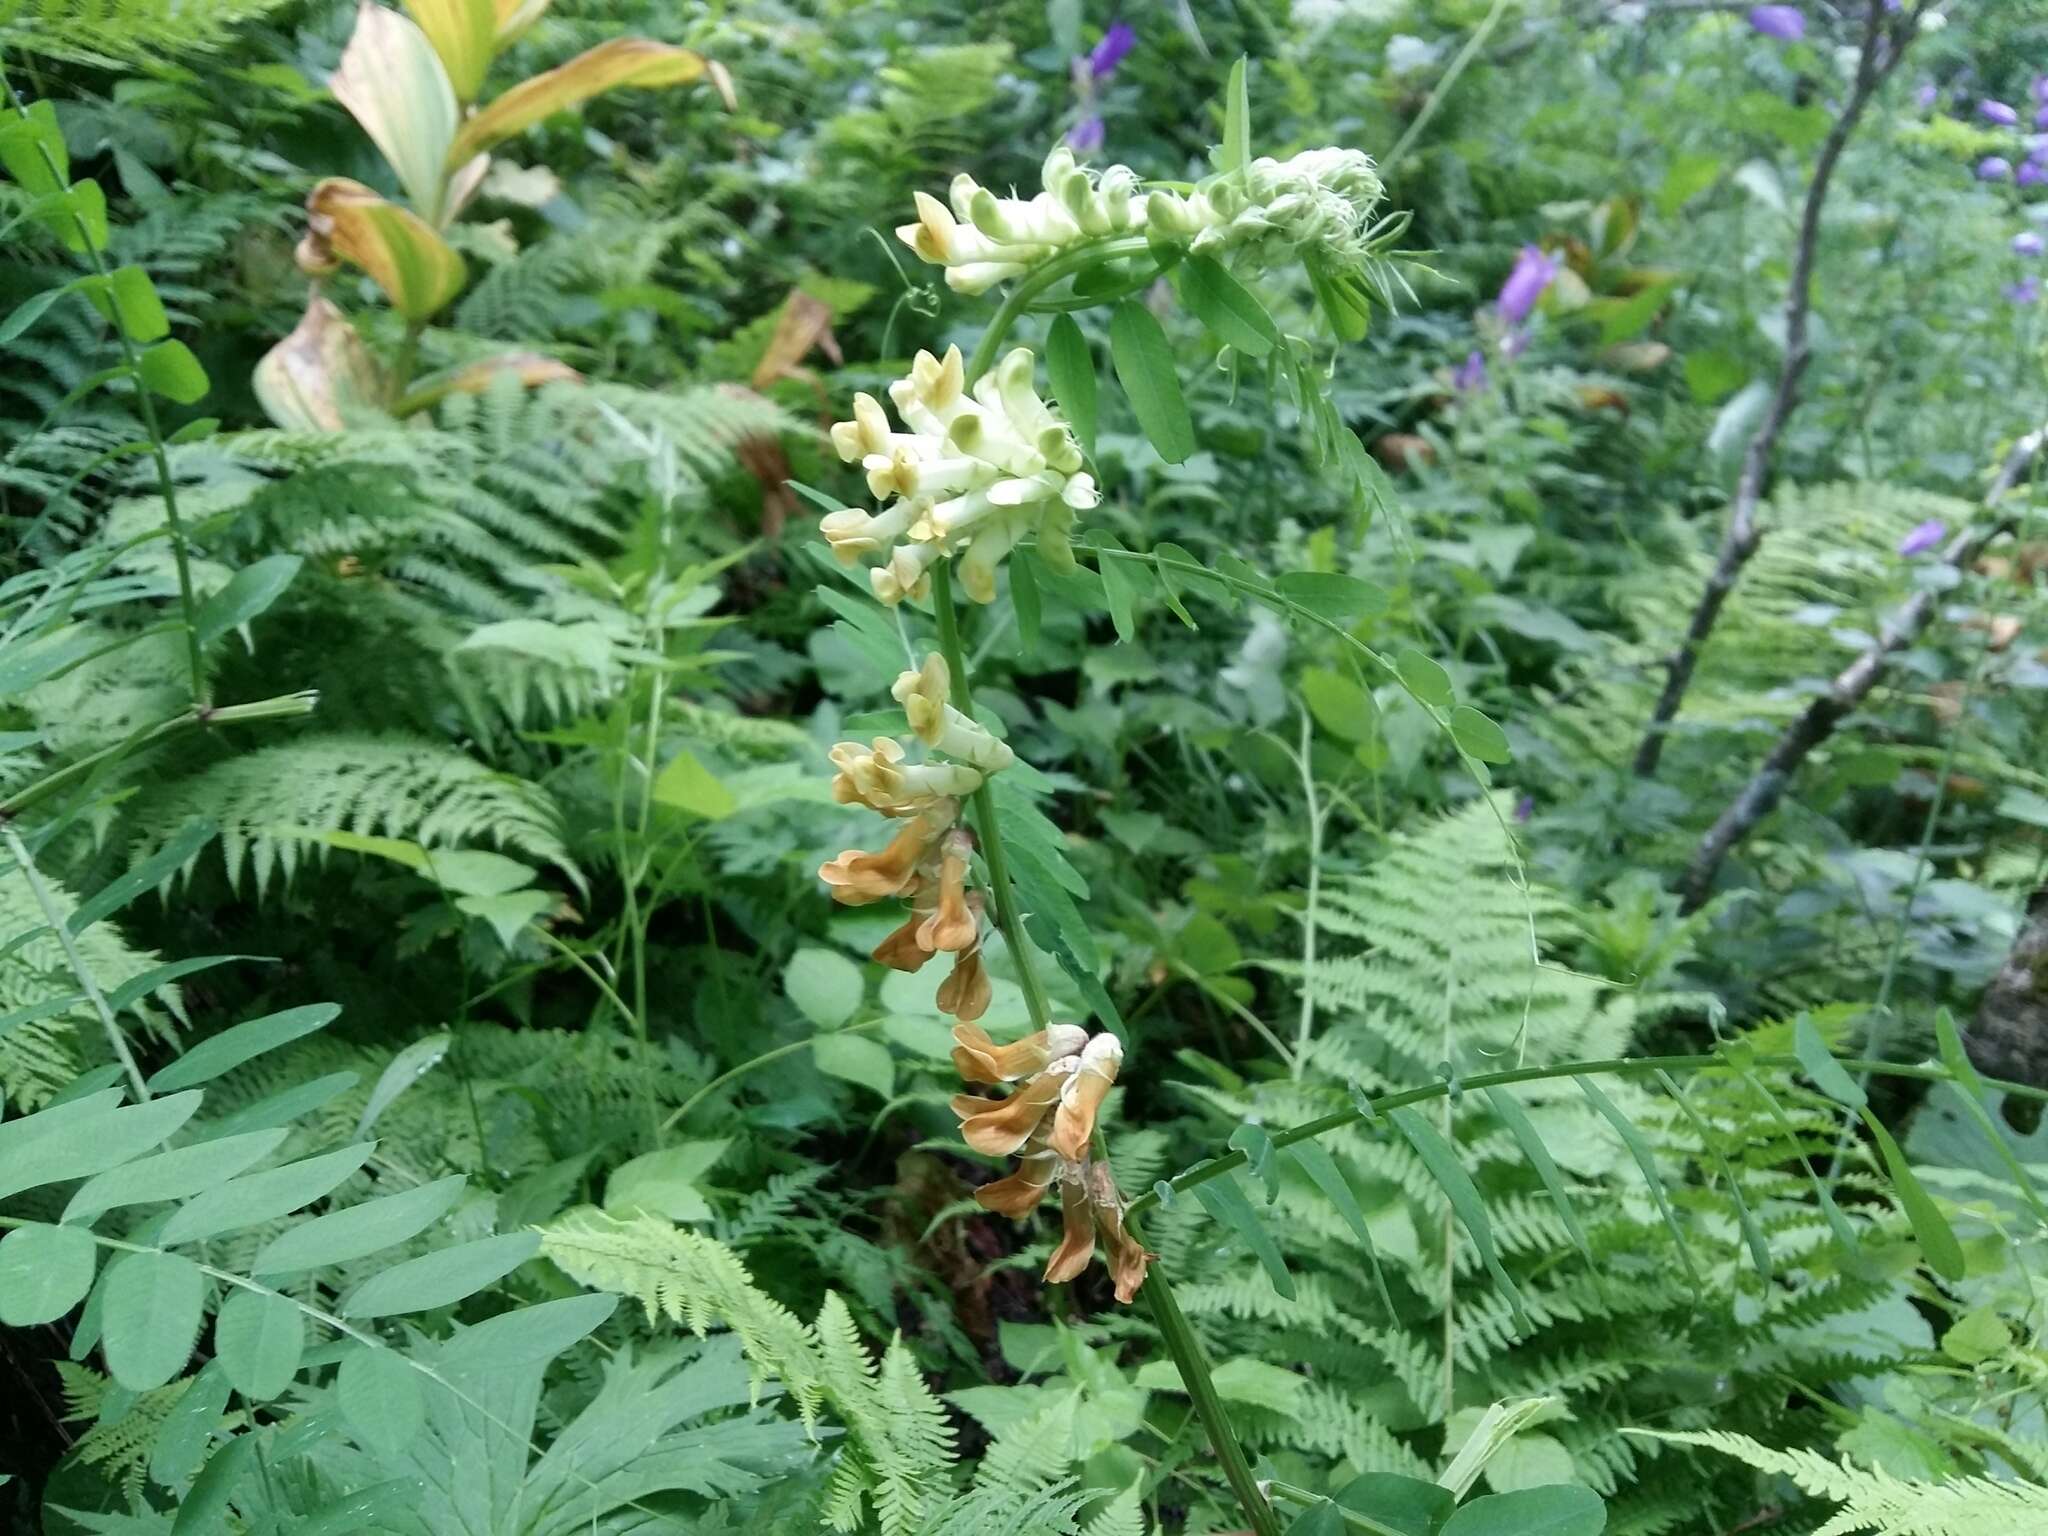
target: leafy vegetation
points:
(666, 671)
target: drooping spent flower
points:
(1061, 1076)
(1533, 272)
(1786, 23)
(1114, 48)
(1922, 537)
(1997, 112)
(976, 473)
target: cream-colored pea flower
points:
(933, 721)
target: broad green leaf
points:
(475, 871)
(441, 1278)
(400, 1073)
(84, 1137)
(1071, 367)
(138, 309)
(1828, 1074)
(231, 1047)
(169, 369)
(529, 1336)
(856, 1059)
(1025, 600)
(284, 1106)
(665, 1182)
(688, 785)
(1231, 311)
(1479, 736)
(1143, 359)
(33, 151)
(1977, 1336)
(44, 1272)
(172, 1175)
(825, 986)
(464, 35)
(1508, 1110)
(1123, 583)
(150, 1317)
(392, 82)
(1937, 1239)
(149, 874)
(1331, 595)
(417, 269)
(1314, 1159)
(258, 1339)
(259, 1197)
(1237, 120)
(1566, 1509)
(622, 61)
(188, 1429)
(342, 1236)
(1320, 1519)
(1425, 678)
(1646, 1162)
(204, 1508)
(509, 914)
(248, 593)
(1225, 1200)
(381, 1399)
(1969, 1093)
(1441, 1159)
(1406, 1504)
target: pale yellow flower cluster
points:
(976, 472)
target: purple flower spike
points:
(1784, 22)
(1994, 168)
(2026, 243)
(1471, 374)
(1997, 112)
(2032, 173)
(1116, 44)
(1532, 274)
(2041, 119)
(1525, 807)
(2026, 291)
(2040, 90)
(1086, 136)
(1926, 96)
(1923, 538)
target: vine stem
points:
(762, 1060)
(1193, 1363)
(146, 408)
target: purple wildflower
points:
(1471, 374)
(1926, 96)
(1997, 112)
(1994, 168)
(2026, 291)
(1086, 136)
(1525, 807)
(1784, 22)
(1532, 274)
(1116, 44)
(1923, 538)
(2026, 243)
(2041, 119)
(1514, 344)
(2039, 90)
(2032, 173)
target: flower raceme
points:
(976, 472)
(1061, 1076)
(930, 858)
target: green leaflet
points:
(189, 1427)
(1144, 366)
(1071, 367)
(231, 1047)
(1937, 1239)
(1333, 595)
(442, 1278)
(1969, 1093)
(340, 1236)
(1025, 601)
(1237, 120)
(248, 593)
(1225, 1200)
(1752, 1234)
(258, 1338)
(1828, 1074)
(172, 1175)
(146, 876)
(205, 1507)
(1646, 1160)
(44, 1272)
(1564, 1509)
(257, 1197)
(1508, 1109)
(1123, 583)
(1231, 311)
(150, 1317)
(1314, 1160)
(84, 1137)
(381, 1399)
(1441, 1159)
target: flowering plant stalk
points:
(975, 464)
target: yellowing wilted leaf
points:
(392, 82)
(464, 34)
(515, 16)
(530, 368)
(310, 380)
(623, 61)
(412, 264)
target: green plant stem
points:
(1443, 87)
(1350, 1517)
(1020, 299)
(72, 957)
(1192, 1361)
(1215, 1168)
(146, 408)
(1001, 891)
(762, 1060)
(1306, 1025)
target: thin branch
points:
(1817, 722)
(1879, 55)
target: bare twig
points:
(1818, 720)
(1878, 56)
